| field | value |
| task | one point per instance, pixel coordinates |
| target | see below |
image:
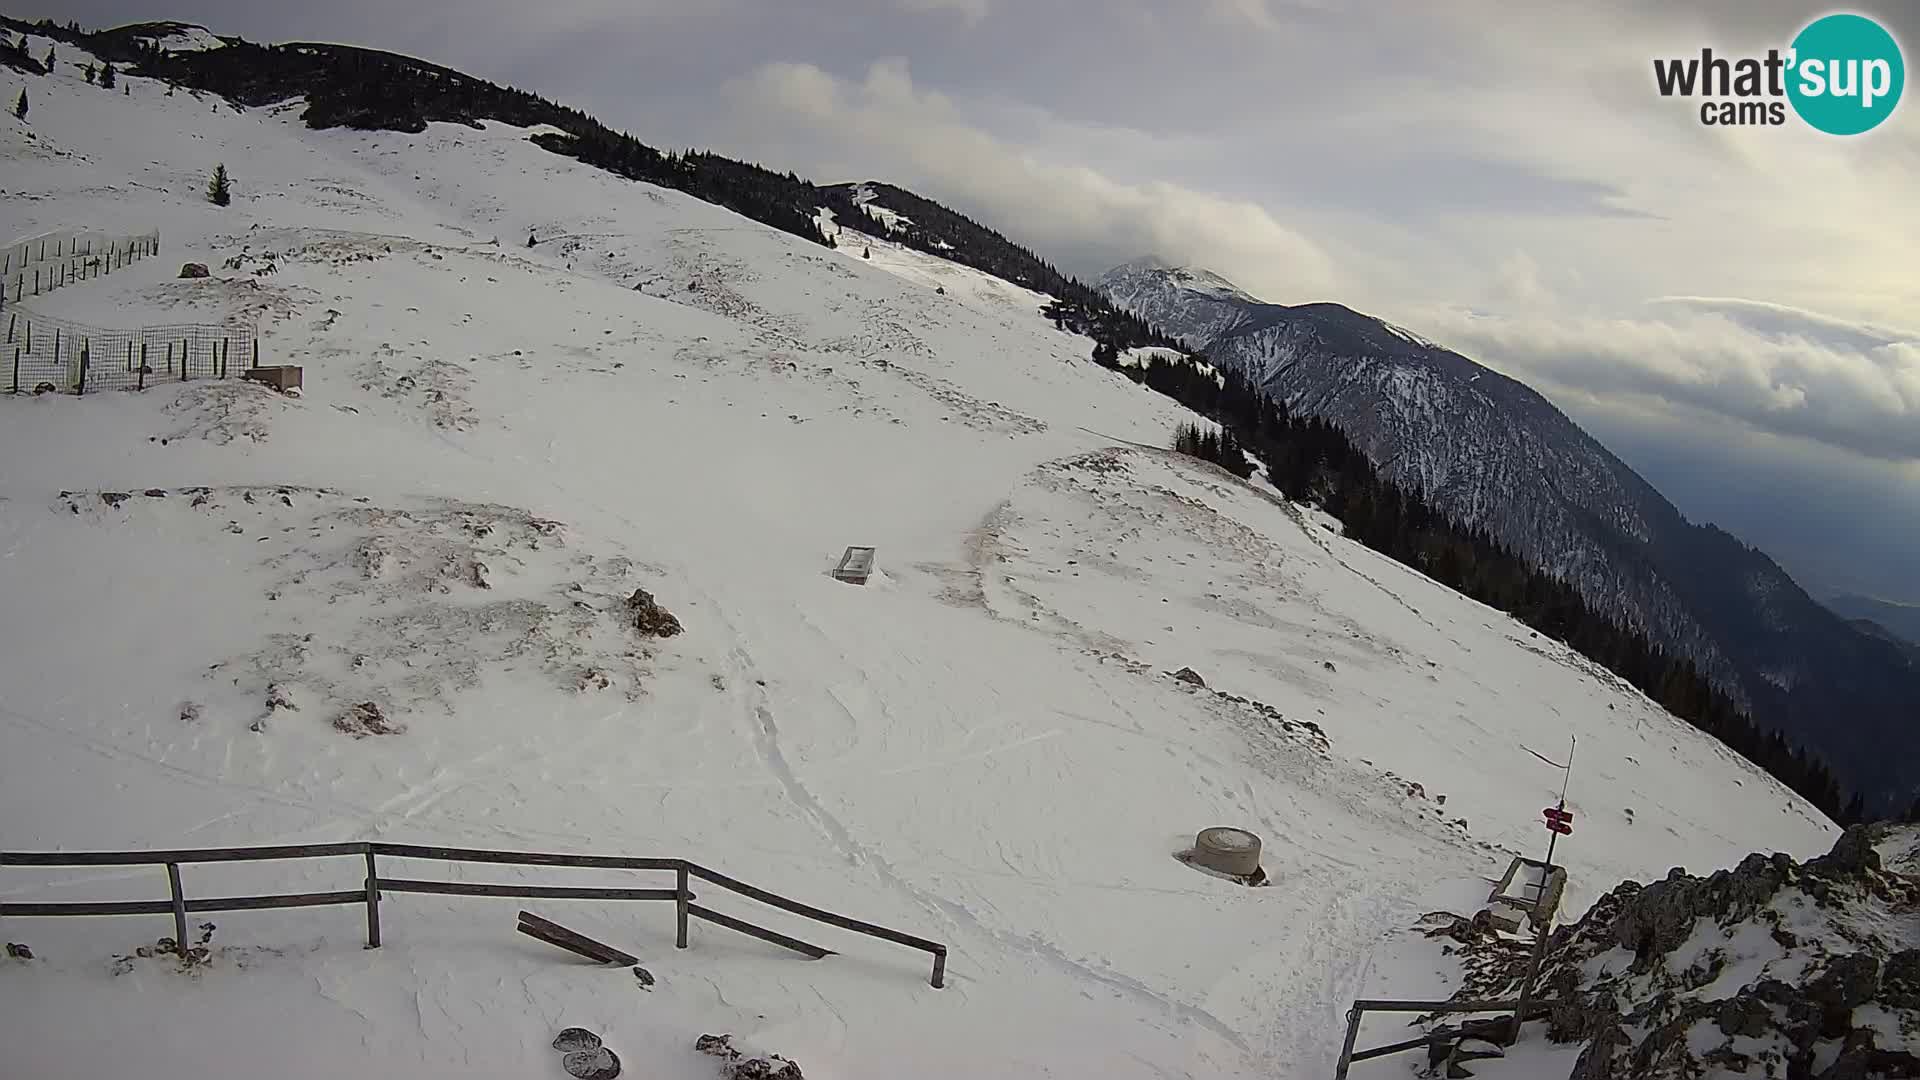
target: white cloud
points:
(1778, 371)
(923, 140)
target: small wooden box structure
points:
(1530, 889)
(281, 377)
(855, 566)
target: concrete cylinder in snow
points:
(1229, 851)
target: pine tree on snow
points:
(220, 189)
(106, 77)
(20, 105)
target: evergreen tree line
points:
(14, 54)
(367, 89)
(1312, 461)
(936, 230)
(1219, 447)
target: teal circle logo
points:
(1846, 74)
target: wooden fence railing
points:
(179, 904)
(1522, 1008)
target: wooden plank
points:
(191, 855)
(814, 913)
(124, 907)
(554, 934)
(1359, 1056)
(284, 900)
(166, 907)
(546, 892)
(812, 952)
(523, 858)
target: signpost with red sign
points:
(1559, 820)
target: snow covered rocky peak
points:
(1773, 968)
(1194, 305)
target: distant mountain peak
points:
(1197, 279)
(1493, 454)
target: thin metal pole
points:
(141, 382)
(179, 909)
(680, 897)
(939, 970)
(373, 903)
(1346, 1051)
(1553, 835)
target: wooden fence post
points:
(179, 909)
(141, 382)
(940, 969)
(1346, 1052)
(86, 356)
(680, 906)
(373, 901)
(129, 357)
(224, 343)
(256, 352)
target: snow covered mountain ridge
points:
(1493, 454)
(497, 444)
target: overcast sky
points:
(1734, 311)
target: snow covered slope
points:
(497, 444)
(1493, 454)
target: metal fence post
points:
(373, 901)
(179, 909)
(16, 369)
(86, 356)
(256, 352)
(680, 906)
(141, 382)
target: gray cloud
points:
(1775, 370)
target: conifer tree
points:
(90, 74)
(106, 76)
(20, 104)
(220, 189)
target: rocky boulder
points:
(649, 618)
